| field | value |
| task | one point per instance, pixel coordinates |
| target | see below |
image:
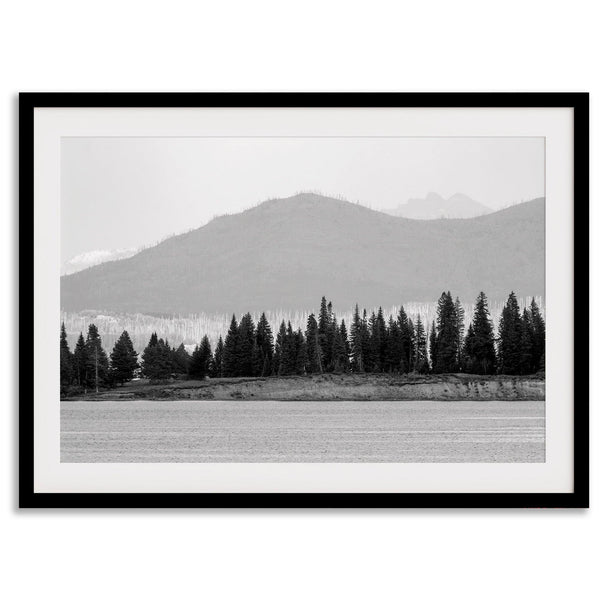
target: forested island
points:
(449, 358)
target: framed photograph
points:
(304, 300)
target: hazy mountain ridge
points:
(433, 206)
(287, 253)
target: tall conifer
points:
(231, 350)
(66, 360)
(123, 359)
(96, 360)
(313, 349)
(264, 342)
(509, 345)
(479, 350)
(216, 366)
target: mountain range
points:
(433, 206)
(287, 253)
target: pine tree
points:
(201, 359)
(80, 361)
(366, 342)
(338, 349)
(96, 360)
(285, 350)
(383, 339)
(539, 337)
(394, 347)
(345, 347)
(301, 353)
(356, 343)
(280, 342)
(527, 343)
(123, 359)
(181, 360)
(324, 328)
(264, 342)
(421, 363)
(157, 359)
(469, 361)
(230, 350)
(406, 333)
(313, 349)
(216, 365)
(478, 348)
(66, 361)
(246, 347)
(509, 345)
(375, 344)
(433, 348)
(447, 335)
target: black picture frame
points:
(579, 498)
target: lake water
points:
(268, 431)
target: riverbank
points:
(359, 387)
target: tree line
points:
(371, 344)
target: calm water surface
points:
(267, 431)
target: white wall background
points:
(312, 45)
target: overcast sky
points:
(129, 192)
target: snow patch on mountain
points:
(95, 257)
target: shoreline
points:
(329, 387)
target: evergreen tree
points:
(411, 346)
(156, 359)
(96, 360)
(345, 347)
(285, 350)
(366, 342)
(479, 351)
(468, 350)
(301, 353)
(264, 342)
(509, 345)
(356, 343)
(433, 348)
(376, 344)
(313, 349)
(394, 347)
(181, 360)
(231, 350)
(406, 334)
(201, 359)
(539, 337)
(527, 343)
(246, 350)
(280, 342)
(447, 335)
(338, 349)
(123, 359)
(66, 360)
(421, 363)
(324, 328)
(80, 361)
(216, 365)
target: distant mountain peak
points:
(434, 206)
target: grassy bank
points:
(335, 387)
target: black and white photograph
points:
(302, 299)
